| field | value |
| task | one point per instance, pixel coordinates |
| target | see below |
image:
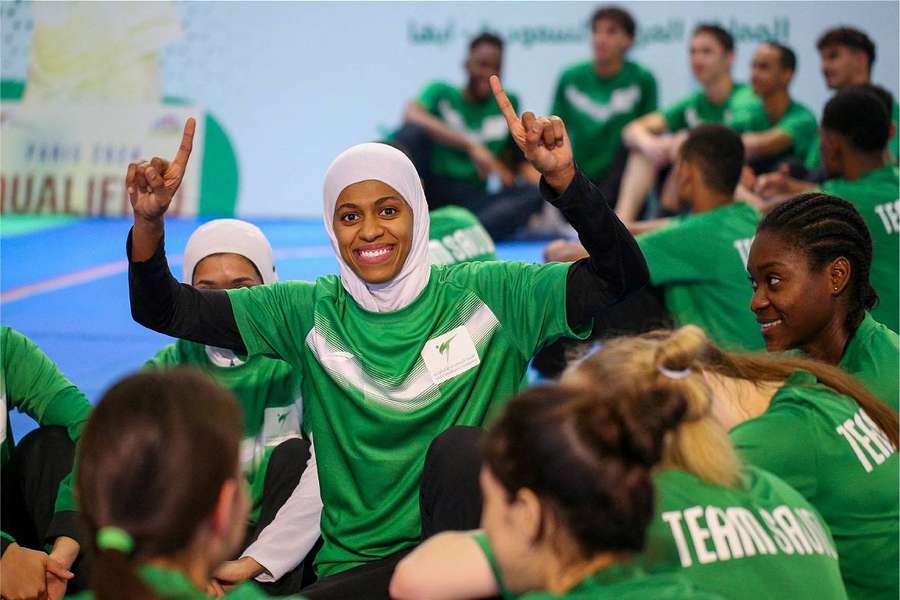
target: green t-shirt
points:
(480, 120)
(456, 235)
(268, 392)
(739, 111)
(379, 387)
(761, 539)
(873, 357)
(829, 450)
(700, 261)
(798, 122)
(877, 197)
(32, 384)
(175, 585)
(621, 581)
(596, 110)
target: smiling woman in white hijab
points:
(394, 351)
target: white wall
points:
(296, 83)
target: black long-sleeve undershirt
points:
(615, 266)
(614, 269)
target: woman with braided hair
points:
(810, 267)
(728, 528)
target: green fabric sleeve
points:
(166, 357)
(482, 541)
(674, 114)
(649, 95)
(799, 124)
(560, 106)
(36, 387)
(431, 95)
(267, 317)
(674, 253)
(782, 442)
(529, 300)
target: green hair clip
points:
(115, 538)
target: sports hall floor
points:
(63, 283)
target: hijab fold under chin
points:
(386, 164)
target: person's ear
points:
(226, 508)
(527, 515)
(839, 273)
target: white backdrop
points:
(293, 84)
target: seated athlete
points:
(277, 461)
(37, 504)
(394, 351)
(160, 487)
(716, 522)
(811, 267)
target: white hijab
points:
(228, 236)
(389, 165)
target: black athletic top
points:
(614, 268)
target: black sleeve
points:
(159, 302)
(67, 523)
(615, 266)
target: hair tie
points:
(115, 538)
(672, 374)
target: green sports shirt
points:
(621, 581)
(32, 384)
(700, 262)
(596, 110)
(877, 197)
(740, 110)
(268, 392)
(379, 387)
(798, 122)
(873, 357)
(175, 585)
(482, 121)
(456, 235)
(761, 539)
(828, 449)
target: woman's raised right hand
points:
(152, 184)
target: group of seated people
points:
(366, 435)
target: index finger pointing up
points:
(503, 102)
(187, 142)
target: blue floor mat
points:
(66, 288)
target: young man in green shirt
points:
(599, 97)
(38, 505)
(277, 462)
(789, 129)
(847, 56)
(458, 141)
(720, 101)
(699, 259)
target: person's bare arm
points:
(439, 131)
(447, 566)
(763, 144)
(641, 133)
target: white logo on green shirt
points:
(492, 129)
(621, 100)
(718, 534)
(890, 216)
(743, 248)
(869, 443)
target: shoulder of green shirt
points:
(433, 91)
